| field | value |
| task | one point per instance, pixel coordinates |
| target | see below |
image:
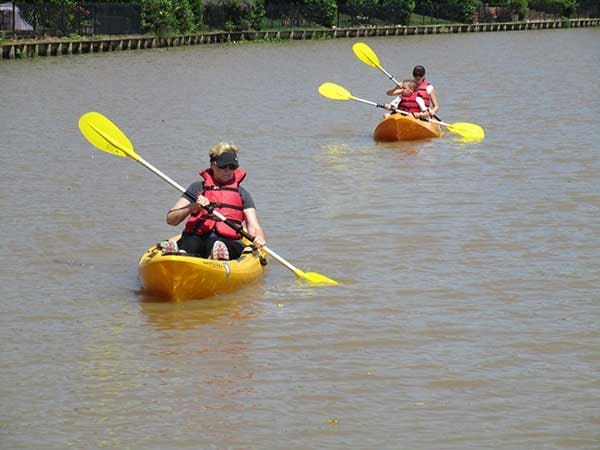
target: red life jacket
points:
(422, 90)
(226, 199)
(409, 103)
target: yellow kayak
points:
(399, 127)
(177, 277)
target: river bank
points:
(56, 47)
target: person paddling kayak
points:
(204, 235)
(409, 101)
(425, 90)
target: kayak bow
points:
(397, 127)
(176, 277)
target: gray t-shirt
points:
(247, 201)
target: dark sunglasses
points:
(228, 166)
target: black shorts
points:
(202, 245)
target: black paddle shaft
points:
(210, 209)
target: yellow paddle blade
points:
(314, 278)
(366, 55)
(469, 131)
(334, 92)
(106, 136)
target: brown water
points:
(468, 310)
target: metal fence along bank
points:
(59, 47)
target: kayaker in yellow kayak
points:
(408, 101)
(425, 90)
(204, 235)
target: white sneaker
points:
(169, 247)
(219, 251)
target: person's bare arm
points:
(253, 226)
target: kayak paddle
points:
(368, 56)
(469, 131)
(106, 136)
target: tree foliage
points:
(520, 8)
(322, 12)
(458, 10)
(158, 17)
(164, 17)
(565, 8)
(234, 14)
(198, 12)
(184, 16)
(397, 11)
(388, 11)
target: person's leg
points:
(224, 248)
(196, 245)
(235, 247)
